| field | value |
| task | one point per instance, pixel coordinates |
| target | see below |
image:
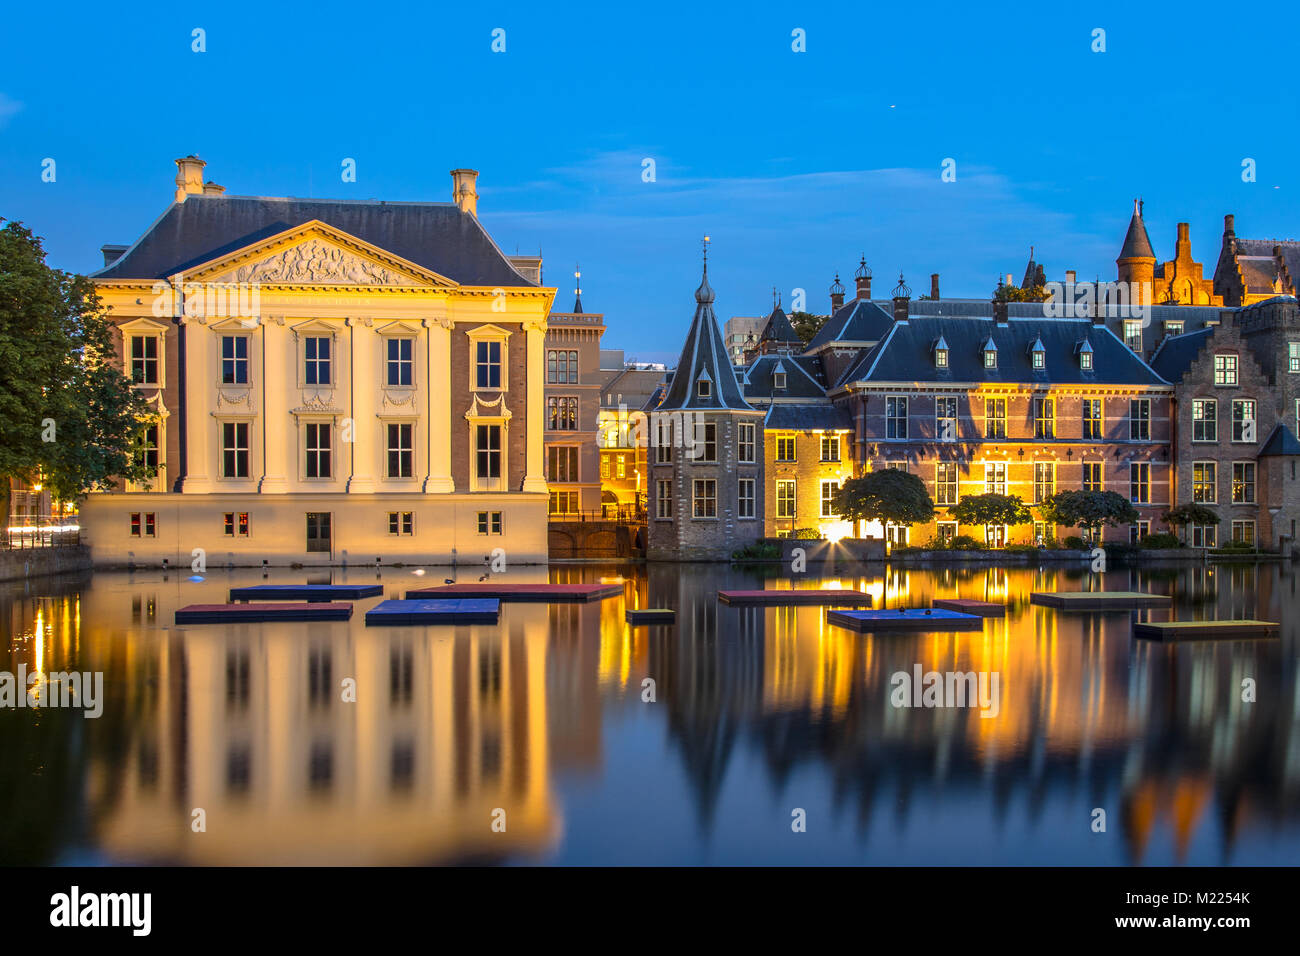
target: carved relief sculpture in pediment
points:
(319, 261)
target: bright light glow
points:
(835, 530)
(30, 528)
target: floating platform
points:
(543, 593)
(241, 613)
(967, 606)
(306, 592)
(1099, 600)
(788, 598)
(651, 615)
(918, 619)
(1205, 630)
(446, 611)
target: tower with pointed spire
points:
(705, 451)
(1137, 260)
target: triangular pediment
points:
(316, 254)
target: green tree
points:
(68, 416)
(888, 495)
(991, 508)
(1180, 516)
(806, 325)
(1011, 293)
(1088, 509)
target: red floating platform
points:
(243, 613)
(542, 593)
(843, 598)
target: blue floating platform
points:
(907, 619)
(239, 613)
(442, 611)
(306, 592)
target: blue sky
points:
(794, 163)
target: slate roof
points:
(704, 357)
(858, 321)
(778, 329)
(803, 377)
(1290, 249)
(1176, 353)
(1137, 244)
(1281, 441)
(438, 236)
(906, 354)
(785, 416)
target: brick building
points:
(573, 396)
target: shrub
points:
(1074, 542)
(806, 533)
(1161, 540)
(757, 552)
(964, 542)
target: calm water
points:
(757, 712)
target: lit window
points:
(829, 490)
(785, 501)
(995, 418)
(995, 478)
(562, 463)
(704, 498)
(1092, 418)
(945, 483)
(1044, 418)
(1205, 419)
(1205, 485)
(1243, 482)
(1225, 370)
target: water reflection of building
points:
(453, 723)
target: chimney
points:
(212, 189)
(463, 191)
(862, 279)
(837, 294)
(1227, 225)
(189, 177)
(1010, 279)
(999, 311)
(111, 254)
(934, 285)
(1098, 304)
(902, 294)
(1071, 277)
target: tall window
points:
(663, 498)
(401, 450)
(144, 359)
(562, 463)
(945, 483)
(1205, 485)
(1293, 357)
(1133, 334)
(995, 418)
(1044, 481)
(785, 448)
(1091, 418)
(830, 448)
(785, 498)
(234, 449)
(1139, 483)
(663, 429)
(146, 448)
(564, 502)
(401, 523)
(1044, 418)
(316, 350)
(995, 478)
(562, 413)
(562, 367)
(487, 451)
(745, 498)
(1243, 482)
(1092, 476)
(1243, 420)
(1205, 419)
(1139, 419)
(896, 417)
(829, 489)
(945, 418)
(487, 365)
(399, 364)
(1243, 531)
(704, 498)
(1225, 370)
(234, 360)
(706, 441)
(318, 450)
(746, 451)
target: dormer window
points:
(990, 354)
(940, 353)
(1038, 354)
(704, 388)
(1085, 360)
(778, 380)
(1173, 328)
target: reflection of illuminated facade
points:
(449, 724)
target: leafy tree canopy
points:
(68, 416)
(1088, 509)
(806, 325)
(991, 508)
(1185, 514)
(888, 495)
